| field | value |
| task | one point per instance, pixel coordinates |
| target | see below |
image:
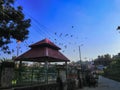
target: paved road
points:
(105, 84)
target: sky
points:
(90, 24)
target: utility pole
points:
(80, 71)
(80, 54)
(18, 47)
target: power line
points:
(41, 27)
(48, 33)
(45, 28)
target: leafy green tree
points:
(103, 60)
(113, 70)
(13, 24)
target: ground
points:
(104, 84)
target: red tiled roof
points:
(44, 53)
(45, 43)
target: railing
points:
(66, 86)
(30, 76)
(35, 79)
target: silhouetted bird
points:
(118, 28)
(66, 35)
(55, 33)
(71, 35)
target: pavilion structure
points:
(43, 51)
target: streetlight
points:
(80, 53)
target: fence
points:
(66, 86)
(29, 78)
(25, 76)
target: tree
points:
(113, 70)
(103, 60)
(13, 24)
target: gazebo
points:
(43, 51)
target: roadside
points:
(104, 84)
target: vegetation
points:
(112, 65)
(103, 60)
(104, 57)
(113, 70)
(13, 24)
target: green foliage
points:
(6, 62)
(106, 56)
(103, 60)
(13, 24)
(113, 70)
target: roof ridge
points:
(45, 41)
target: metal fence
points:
(25, 76)
(34, 78)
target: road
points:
(104, 84)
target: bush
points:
(113, 70)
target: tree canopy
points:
(13, 24)
(113, 70)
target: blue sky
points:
(70, 23)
